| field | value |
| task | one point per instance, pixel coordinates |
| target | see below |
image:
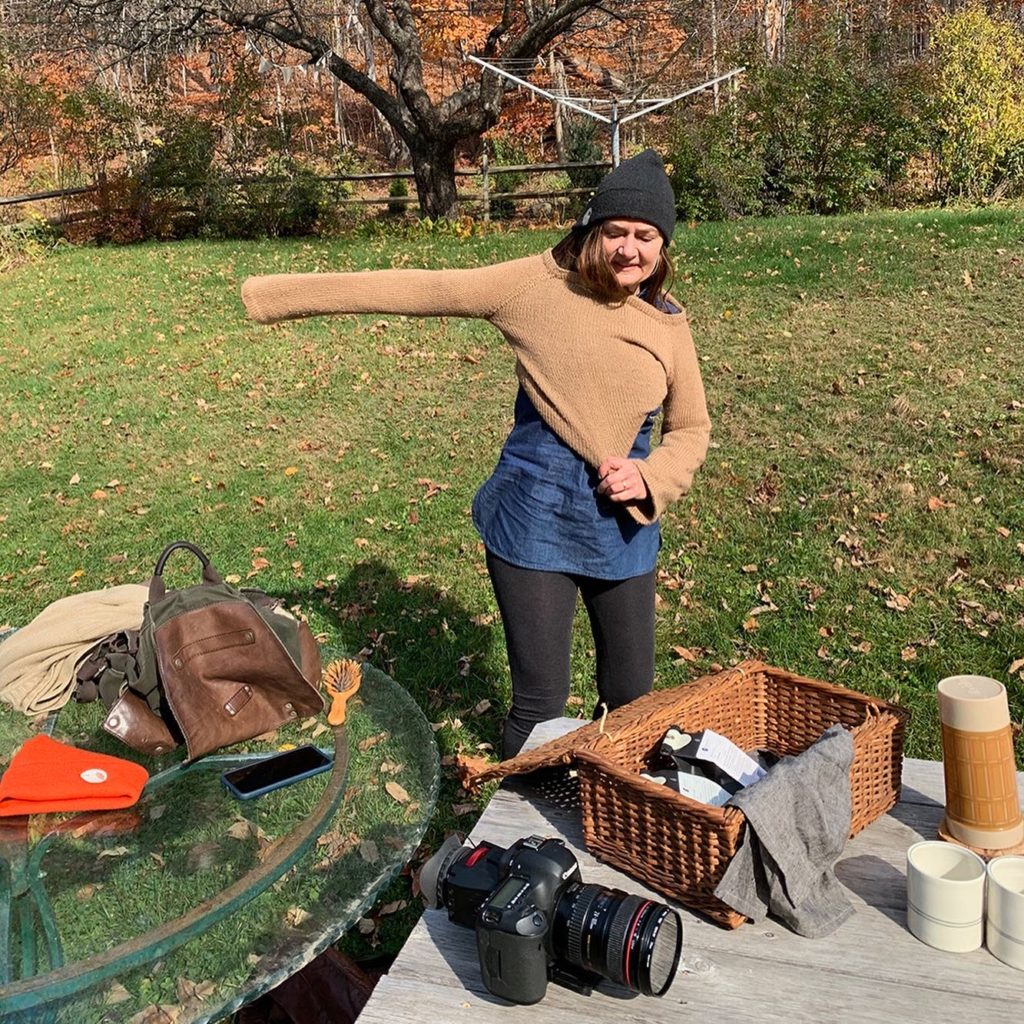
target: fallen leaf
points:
(98, 495)
(192, 992)
(371, 741)
(296, 915)
(74, 480)
(480, 708)
(291, 470)
(113, 851)
(411, 581)
(241, 829)
(898, 602)
(936, 504)
(684, 653)
(396, 792)
(908, 654)
(464, 808)
(968, 281)
(366, 926)
(368, 851)
(750, 625)
(202, 856)
(117, 993)
(432, 487)
(156, 1015)
(1015, 666)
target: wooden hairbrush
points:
(341, 680)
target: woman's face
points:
(632, 248)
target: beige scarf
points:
(38, 663)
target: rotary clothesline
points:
(586, 105)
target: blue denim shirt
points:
(540, 508)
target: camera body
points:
(536, 920)
(520, 888)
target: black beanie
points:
(638, 189)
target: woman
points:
(573, 504)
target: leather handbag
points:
(214, 666)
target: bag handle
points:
(157, 590)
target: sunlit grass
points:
(859, 519)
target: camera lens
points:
(628, 939)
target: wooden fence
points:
(485, 196)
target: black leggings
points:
(537, 609)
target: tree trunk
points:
(433, 164)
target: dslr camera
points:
(536, 920)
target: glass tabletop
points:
(77, 891)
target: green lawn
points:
(860, 517)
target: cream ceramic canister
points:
(946, 896)
(1004, 929)
(982, 800)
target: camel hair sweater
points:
(594, 370)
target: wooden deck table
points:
(871, 969)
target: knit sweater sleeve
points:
(475, 292)
(685, 432)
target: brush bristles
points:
(341, 675)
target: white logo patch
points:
(94, 775)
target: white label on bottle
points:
(736, 763)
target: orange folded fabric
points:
(45, 775)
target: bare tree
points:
(431, 127)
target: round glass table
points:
(166, 906)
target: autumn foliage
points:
(834, 112)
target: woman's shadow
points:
(428, 642)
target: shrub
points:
(398, 189)
(505, 152)
(582, 147)
(712, 177)
(26, 241)
(979, 105)
(827, 131)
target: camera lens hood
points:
(437, 868)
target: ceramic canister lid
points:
(973, 703)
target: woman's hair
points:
(582, 253)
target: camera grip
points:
(514, 965)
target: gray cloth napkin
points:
(798, 819)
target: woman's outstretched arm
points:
(476, 292)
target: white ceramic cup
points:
(1004, 932)
(946, 896)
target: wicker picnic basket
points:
(679, 846)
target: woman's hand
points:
(621, 480)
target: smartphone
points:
(270, 773)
